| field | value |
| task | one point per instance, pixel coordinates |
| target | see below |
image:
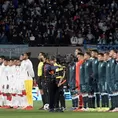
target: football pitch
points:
(35, 113)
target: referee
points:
(40, 80)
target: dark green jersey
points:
(108, 71)
(116, 72)
(112, 66)
(82, 74)
(116, 77)
(88, 70)
(95, 68)
(101, 71)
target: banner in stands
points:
(101, 47)
(12, 50)
(37, 95)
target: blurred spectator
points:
(60, 22)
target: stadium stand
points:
(58, 22)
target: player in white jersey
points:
(1, 80)
(21, 92)
(28, 67)
(5, 86)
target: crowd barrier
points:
(37, 96)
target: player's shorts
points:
(116, 86)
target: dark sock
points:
(73, 102)
(62, 101)
(103, 100)
(112, 102)
(90, 102)
(85, 100)
(93, 102)
(106, 99)
(98, 100)
(43, 99)
(76, 102)
(117, 101)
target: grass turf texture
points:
(35, 113)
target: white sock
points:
(4, 100)
(1, 100)
(24, 99)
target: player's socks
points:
(25, 103)
(85, 101)
(90, 101)
(76, 102)
(106, 99)
(117, 101)
(4, 99)
(98, 99)
(103, 100)
(1, 99)
(112, 102)
(8, 101)
(93, 101)
(80, 101)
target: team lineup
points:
(16, 78)
(91, 78)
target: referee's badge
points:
(101, 65)
(87, 64)
(73, 68)
(112, 61)
(96, 62)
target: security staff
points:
(48, 75)
(59, 76)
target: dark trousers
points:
(43, 84)
(59, 97)
(52, 88)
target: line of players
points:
(13, 86)
(99, 77)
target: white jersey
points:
(1, 78)
(5, 79)
(12, 79)
(20, 74)
(27, 67)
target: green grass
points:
(11, 113)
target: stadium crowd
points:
(61, 22)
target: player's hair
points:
(81, 54)
(79, 49)
(101, 54)
(88, 53)
(94, 50)
(107, 53)
(28, 54)
(6, 58)
(115, 51)
(2, 57)
(42, 53)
